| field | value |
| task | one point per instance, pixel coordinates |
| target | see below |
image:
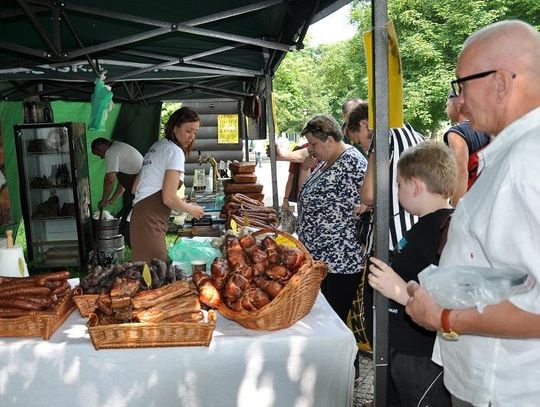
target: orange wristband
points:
(445, 320)
(447, 332)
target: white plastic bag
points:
(461, 287)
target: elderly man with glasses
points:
(494, 357)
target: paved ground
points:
(264, 177)
(364, 387)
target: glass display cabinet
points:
(55, 194)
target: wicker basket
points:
(147, 335)
(38, 323)
(85, 303)
(293, 302)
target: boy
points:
(426, 175)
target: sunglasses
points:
(313, 128)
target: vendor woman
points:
(156, 195)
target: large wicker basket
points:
(147, 335)
(38, 323)
(293, 302)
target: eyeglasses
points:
(457, 83)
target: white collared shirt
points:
(497, 224)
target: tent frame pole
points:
(382, 199)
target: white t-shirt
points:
(496, 225)
(163, 155)
(121, 157)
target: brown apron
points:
(149, 224)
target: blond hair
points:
(433, 163)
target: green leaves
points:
(430, 35)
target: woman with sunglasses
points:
(326, 223)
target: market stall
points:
(307, 364)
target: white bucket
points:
(12, 263)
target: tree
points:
(430, 34)
(343, 73)
(167, 109)
(297, 88)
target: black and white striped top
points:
(400, 140)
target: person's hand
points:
(310, 163)
(103, 203)
(422, 308)
(285, 205)
(278, 152)
(385, 280)
(196, 211)
(360, 209)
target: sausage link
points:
(14, 292)
(57, 275)
(20, 303)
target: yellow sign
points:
(274, 110)
(227, 128)
(395, 78)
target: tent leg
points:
(272, 141)
(380, 72)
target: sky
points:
(333, 28)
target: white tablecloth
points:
(309, 364)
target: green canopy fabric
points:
(152, 51)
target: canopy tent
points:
(151, 52)
(165, 50)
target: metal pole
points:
(382, 213)
(272, 140)
(243, 130)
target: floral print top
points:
(326, 222)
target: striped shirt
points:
(400, 139)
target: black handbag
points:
(364, 229)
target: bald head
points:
(506, 55)
(349, 106)
(510, 44)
